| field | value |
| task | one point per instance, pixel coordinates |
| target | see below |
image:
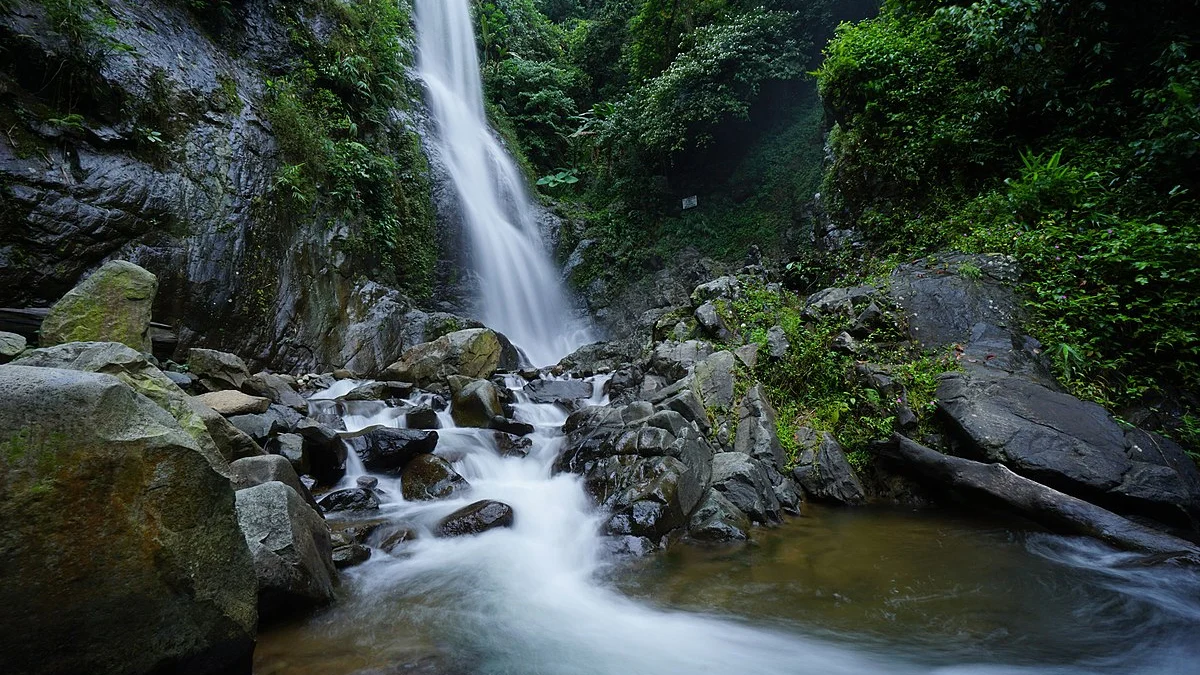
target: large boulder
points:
(353, 499)
(558, 391)
(744, 481)
(717, 520)
(674, 360)
(475, 518)
(111, 305)
(251, 472)
(756, 431)
(476, 405)
(476, 353)
(384, 449)
(429, 477)
(714, 380)
(276, 389)
(217, 370)
(232, 442)
(114, 518)
(289, 541)
(1070, 445)
(823, 471)
(647, 469)
(325, 449)
(132, 368)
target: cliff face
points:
(142, 131)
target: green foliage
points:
(535, 97)
(559, 179)
(342, 156)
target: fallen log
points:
(1059, 512)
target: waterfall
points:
(522, 294)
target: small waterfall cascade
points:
(522, 294)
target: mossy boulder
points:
(129, 366)
(111, 305)
(120, 541)
(476, 353)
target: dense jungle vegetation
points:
(1065, 134)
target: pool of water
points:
(839, 590)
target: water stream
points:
(851, 592)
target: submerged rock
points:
(111, 305)
(475, 518)
(117, 521)
(290, 544)
(429, 477)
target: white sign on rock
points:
(690, 203)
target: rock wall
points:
(81, 182)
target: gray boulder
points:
(116, 519)
(325, 449)
(249, 472)
(475, 518)
(744, 482)
(289, 541)
(558, 391)
(230, 402)
(674, 360)
(277, 389)
(231, 442)
(777, 342)
(291, 448)
(353, 499)
(822, 470)
(379, 391)
(1069, 445)
(722, 288)
(475, 353)
(712, 323)
(217, 370)
(111, 305)
(717, 520)
(428, 477)
(714, 380)
(132, 368)
(756, 430)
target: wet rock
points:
(475, 518)
(276, 389)
(325, 449)
(368, 482)
(756, 430)
(383, 449)
(511, 445)
(11, 345)
(107, 485)
(353, 499)
(217, 370)
(111, 305)
(231, 403)
(133, 369)
(712, 323)
(744, 482)
(394, 539)
(558, 391)
(512, 427)
(476, 404)
(714, 379)
(1070, 445)
(422, 417)
(717, 520)
(291, 448)
(822, 470)
(290, 544)
(428, 477)
(249, 472)
(942, 307)
(380, 391)
(350, 555)
(627, 545)
(476, 353)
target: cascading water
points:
(537, 598)
(522, 295)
